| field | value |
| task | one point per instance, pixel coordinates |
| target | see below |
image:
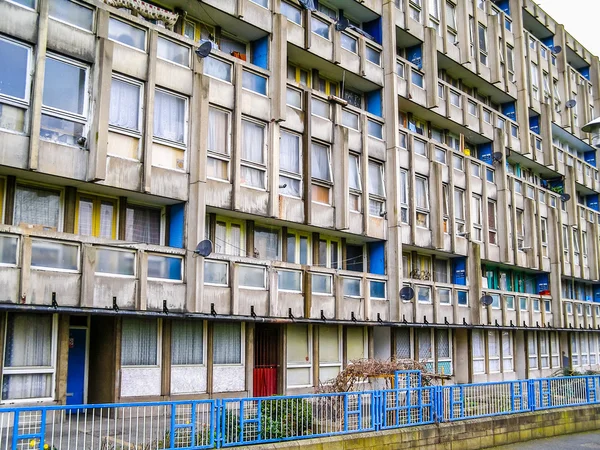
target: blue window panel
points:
(374, 29)
(590, 157)
(485, 152)
(374, 102)
(534, 124)
(592, 201)
(415, 55)
(260, 52)
(543, 282)
(376, 257)
(459, 271)
(548, 42)
(504, 5)
(585, 71)
(176, 225)
(509, 110)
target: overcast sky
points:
(581, 19)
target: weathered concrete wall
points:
(464, 435)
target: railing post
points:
(587, 389)
(376, 410)
(438, 403)
(218, 423)
(531, 395)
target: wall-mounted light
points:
(593, 128)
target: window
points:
(320, 108)
(476, 215)
(454, 98)
(322, 284)
(173, 52)
(417, 78)
(292, 13)
(29, 356)
(266, 243)
(452, 33)
(404, 348)
(330, 352)
(422, 200)
(329, 253)
(373, 55)
(520, 228)
(229, 237)
(404, 216)
(507, 351)
(64, 101)
(478, 347)
(440, 155)
(253, 166)
(321, 173)
(565, 238)
(139, 342)
(227, 343)
(254, 82)
(510, 63)
(354, 182)
(217, 68)
(143, 224)
(127, 34)
(472, 108)
(493, 348)
(544, 235)
(162, 267)
(440, 273)
(96, 216)
(534, 77)
(459, 210)
(187, 342)
(419, 147)
(350, 119)
(376, 189)
(293, 98)
(351, 287)
(544, 350)
(298, 75)
(170, 118)
(125, 114)
(290, 157)
(72, 13)
(15, 80)
(218, 143)
(320, 27)
(532, 350)
(216, 273)
(299, 354)
(263, 3)
(349, 42)
(298, 248)
(483, 51)
(374, 129)
(37, 206)
(492, 227)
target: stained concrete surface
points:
(584, 441)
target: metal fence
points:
(223, 423)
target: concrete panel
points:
(14, 150)
(258, 16)
(169, 183)
(356, 223)
(43, 283)
(228, 6)
(174, 77)
(258, 299)
(22, 23)
(377, 148)
(71, 41)
(291, 209)
(321, 129)
(129, 61)
(173, 293)
(218, 194)
(219, 296)
(322, 215)
(350, 61)
(107, 287)
(62, 160)
(355, 140)
(377, 227)
(286, 300)
(356, 305)
(9, 280)
(322, 302)
(295, 34)
(255, 105)
(188, 379)
(221, 93)
(374, 72)
(381, 307)
(140, 382)
(254, 201)
(322, 47)
(229, 378)
(382, 343)
(123, 173)
(294, 119)
(423, 237)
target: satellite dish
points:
(307, 4)
(204, 50)
(204, 248)
(571, 103)
(497, 156)
(556, 50)
(565, 197)
(486, 300)
(407, 293)
(342, 24)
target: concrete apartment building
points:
(420, 143)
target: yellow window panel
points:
(96, 216)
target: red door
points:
(266, 360)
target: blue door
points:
(76, 366)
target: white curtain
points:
(297, 345)
(142, 225)
(266, 243)
(459, 204)
(320, 167)
(329, 344)
(403, 343)
(421, 193)
(227, 343)
(253, 136)
(217, 68)
(106, 219)
(169, 117)
(443, 344)
(218, 131)
(353, 172)
(139, 342)
(478, 350)
(124, 104)
(187, 342)
(28, 344)
(36, 206)
(289, 153)
(376, 179)
(425, 352)
(85, 220)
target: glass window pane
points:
(253, 141)
(376, 179)
(217, 68)
(319, 27)
(72, 13)
(349, 43)
(320, 164)
(36, 206)
(227, 343)
(329, 344)
(171, 51)
(126, 34)
(115, 262)
(251, 277)
(169, 116)
(54, 255)
(165, 267)
(290, 280)
(124, 104)
(254, 82)
(321, 284)
(61, 130)
(377, 289)
(142, 225)
(28, 340)
(8, 250)
(13, 70)
(320, 108)
(12, 118)
(187, 342)
(215, 273)
(351, 287)
(64, 86)
(291, 12)
(139, 342)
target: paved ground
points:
(579, 441)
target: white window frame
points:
(254, 165)
(21, 103)
(179, 145)
(375, 198)
(159, 336)
(224, 157)
(127, 131)
(292, 175)
(426, 209)
(216, 261)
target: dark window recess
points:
(354, 258)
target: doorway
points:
(77, 361)
(266, 360)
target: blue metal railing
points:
(201, 424)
